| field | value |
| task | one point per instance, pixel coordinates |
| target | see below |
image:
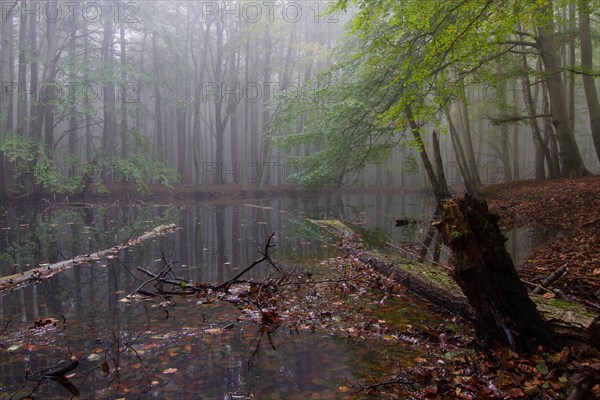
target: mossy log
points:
(12, 282)
(572, 322)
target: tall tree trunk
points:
(8, 62)
(5, 79)
(108, 88)
(570, 55)
(460, 155)
(572, 163)
(22, 76)
(199, 69)
(158, 123)
(180, 110)
(437, 156)
(49, 93)
(467, 140)
(72, 136)
(538, 140)
(220, 119)
(589, 86)
(125, 95)
(549, 133)
(504, 139)
(35, 103)
(87, 103)
(140, 122)
(266, 146)
(438, 183)
(515, 153)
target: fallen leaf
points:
(105, 368)
(170, 371)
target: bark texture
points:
(484, 270)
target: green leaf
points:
(94, 357)
(541, 367)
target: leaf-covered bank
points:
(564, 218)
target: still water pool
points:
(195, 351)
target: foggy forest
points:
(312, 199)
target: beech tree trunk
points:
(485, 272)
(461, 160)
(438, 183)
(572, 163)
(589, 86)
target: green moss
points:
(333, 225)
(455, 234)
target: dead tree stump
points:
(484, 270)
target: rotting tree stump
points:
(485, 272)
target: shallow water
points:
(187, 352)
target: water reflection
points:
(214, 241)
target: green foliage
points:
(342, 126)
(400, 55)
(38, 169)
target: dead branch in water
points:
(12, 282)
(188, 287)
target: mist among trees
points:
(311, 93)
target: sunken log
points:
(12, 282)
(573, 323)
(485, 272)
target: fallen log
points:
(574, 323)
(12, 282)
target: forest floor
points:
(564, 220)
